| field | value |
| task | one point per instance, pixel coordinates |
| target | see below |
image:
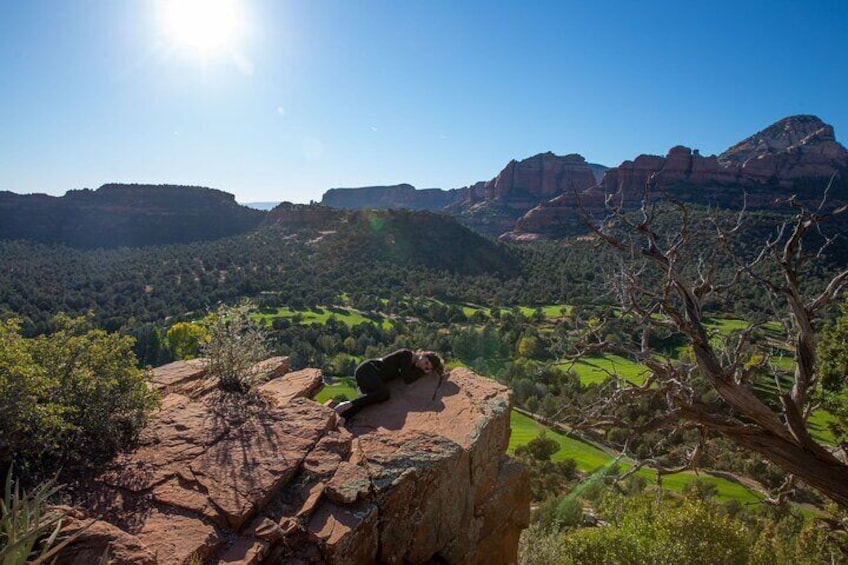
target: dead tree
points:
(667, 276)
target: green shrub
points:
(692, 532)
(30, 416)
(185, 339)
(569, 512)
(642, 531)
(540, 546)
(236, 343)
(75, 396)
(540, 448)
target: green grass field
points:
(818, 425)
(471, 309)
(725, 325)
(320, 315)
(726, 489)
(595, 369)
(550, 312)
(590, 458)
(344, 386)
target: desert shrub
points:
(539, 545)
(558, 513)
(236, 343)
(569, 512)
(545, 516)
(700, 489)
(75, 396)
(30, 417)
(594, 486)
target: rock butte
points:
(422, 478)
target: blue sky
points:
(315, 94)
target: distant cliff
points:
(493, 206)
(392, 197)
(490, 207)
(293, 217)
(118, 215)
(797, 155)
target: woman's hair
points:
(435, 361)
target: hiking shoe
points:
(342, 407)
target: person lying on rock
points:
(373, 375)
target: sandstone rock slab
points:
(349, 483)
(175, 537)
(180, 432)
(166, 377)
(93, 540)
(299, 384)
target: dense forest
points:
(329, 295)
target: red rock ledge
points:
(422, 478)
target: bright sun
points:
(203, 25)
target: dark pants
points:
(373, 388)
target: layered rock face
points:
(542, 176)
(493, 206)
(798, 153)
(680, 165)
(118, 215)
(392, 197)
(795, 148)
(798, 147)
(489, 207)
(421, 478)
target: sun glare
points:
(203, 25)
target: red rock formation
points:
(540, 176)
(794, 150)
(795, 147)
(681, 165)
(267, 477)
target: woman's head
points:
(430, 362)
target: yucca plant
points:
(27, 528)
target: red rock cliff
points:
(543, 175)
(794, 153)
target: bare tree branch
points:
(667, 296)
